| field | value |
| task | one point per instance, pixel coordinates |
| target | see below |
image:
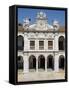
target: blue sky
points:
(51, 14)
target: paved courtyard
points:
(40, 75)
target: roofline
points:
(43, 31)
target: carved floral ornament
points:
(50, 36)
(39, 35)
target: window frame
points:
(32, 47)
(50, 47)
(41, 47)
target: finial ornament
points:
(26, 23)
(41, 15)
(56, 24)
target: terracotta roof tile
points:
(62, 29)
(20, 29)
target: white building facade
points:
(41, 46)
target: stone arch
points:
(61, 62)
(20, 42)
(32, 62)
(50, 62)
(61, 43)
(41, 62)
(20, 62)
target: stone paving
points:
(40, 75)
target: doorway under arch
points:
(20, 63)
(32, 62)
(41, 62)
(61, 62)
(50, 62)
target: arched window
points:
(20, 42)
(61, 43)
(61, 62)
(50, 62)
(20, 62)
(32, 62)
(41, 62)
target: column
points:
(25, 42)
(56, 42)
(28, 44)
(54, 45)
(56, 62)
(45, 44)
(36, 44)
(26, 63)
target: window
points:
(32, 45)
(61, 43)
(41, 45)
(50, 44)
(20, 43)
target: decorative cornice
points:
(43, 51)
(43, 31)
